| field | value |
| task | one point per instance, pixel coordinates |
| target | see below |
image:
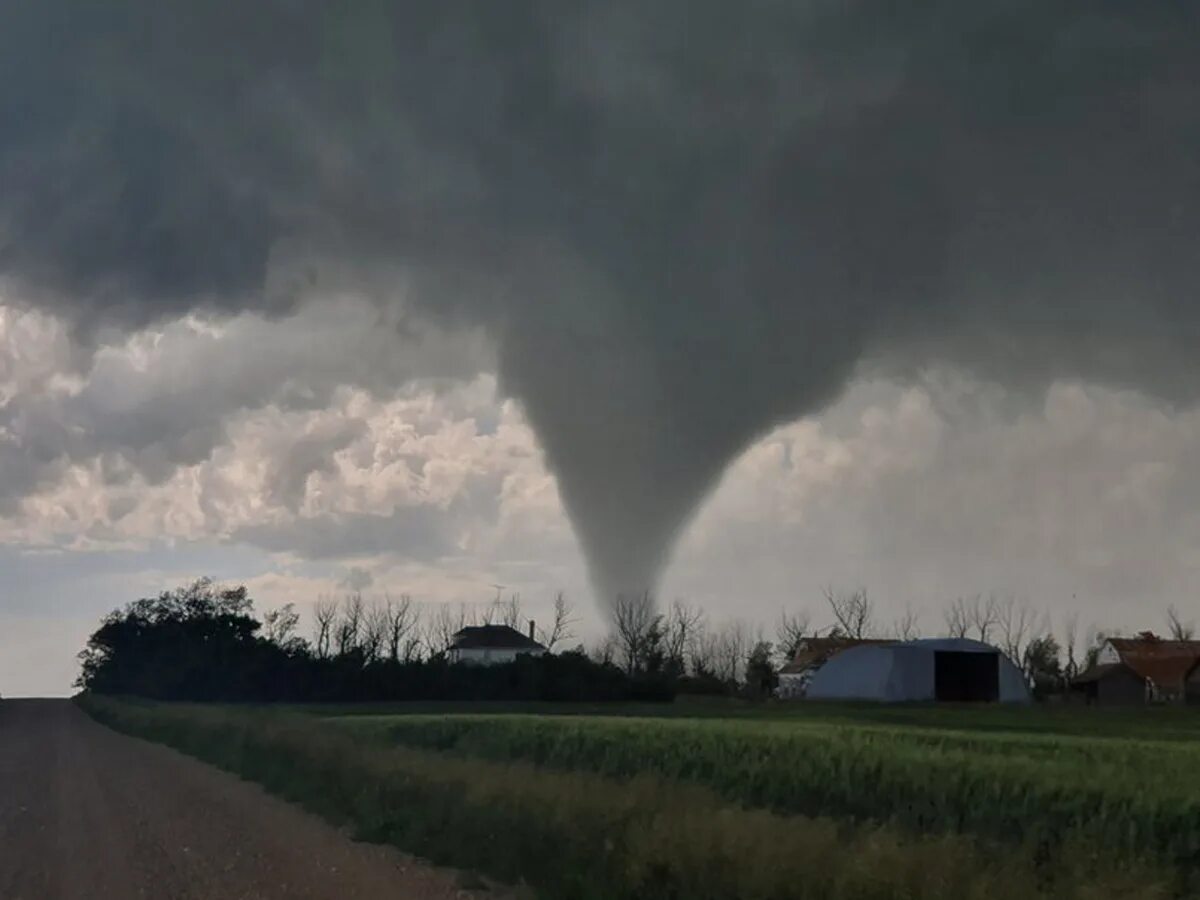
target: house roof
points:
(816, 651)
(492, 637)
(1166, 663)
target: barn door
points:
(960, 677)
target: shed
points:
(938, 669)
(1111, 684)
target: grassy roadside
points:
(578, 835)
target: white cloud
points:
(163, 397)
(284, 437)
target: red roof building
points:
(1158, 668)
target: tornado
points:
(680, 224)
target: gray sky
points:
(1080, 501)
(727, 300)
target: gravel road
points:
(89, 813)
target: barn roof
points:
(816, 651)
(1166, 663)
(492, 637)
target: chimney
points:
(531, 637)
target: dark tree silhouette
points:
(198, 642)
(203, 642)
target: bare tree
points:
(958, 618)
(374, 632)
(684, 623)
(702, 654)
(509, 611)
(907, 627)
(401, 623)
(790, 633)
(633, 617)
(852, 610)
(560, 629)
(1017, 623)
(324, 614)
(1177, 628)
(732, 646)
(984, 616)
(348, 629)
(443, 625)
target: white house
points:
(489, 645)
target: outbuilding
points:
(1142, 669)
(1111, 684)
(954, 670)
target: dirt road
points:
(89, 813)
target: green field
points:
(724, 800)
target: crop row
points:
(1131, 798)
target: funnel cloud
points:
(680, 223)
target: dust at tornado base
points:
(89, 813)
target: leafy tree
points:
(1043, 666)
(761, 677)
(198, 642)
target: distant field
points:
(1132, 796)
(717, 799)
(1163, 723)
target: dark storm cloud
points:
(682, 222)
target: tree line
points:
(733, 657)
(204, 642)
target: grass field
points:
(924, 769)
(720, 800)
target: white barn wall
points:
(489, 656)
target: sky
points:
(315, 485)
(727, 303)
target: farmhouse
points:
(1142, 669)
(492, 644)
(811, 654)
(939, 669)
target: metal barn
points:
(954, 670)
